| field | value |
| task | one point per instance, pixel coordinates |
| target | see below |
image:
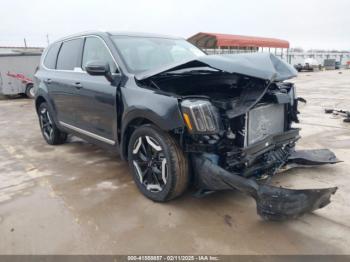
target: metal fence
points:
(289, 56)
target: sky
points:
(317, 24)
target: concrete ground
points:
(79, 199)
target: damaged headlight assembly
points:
(200, 116)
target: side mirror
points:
(99, 68)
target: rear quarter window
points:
(51, 56)
(69, 56)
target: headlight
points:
(200, 116)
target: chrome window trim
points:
(82, 71)
(84, 132)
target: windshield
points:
(145, 53)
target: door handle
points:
(48, 81)
(78, 85)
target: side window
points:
(69, 55)
(51, 55)
(96, 50)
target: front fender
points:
(162, 110)
(140, 103)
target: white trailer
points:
(16, 73)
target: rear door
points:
(62, 81)
(96, 98)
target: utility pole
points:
(25, 43)
(47, 39)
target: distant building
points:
(12, 50)
(216, 43)
(225, 43)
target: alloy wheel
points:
(150, 163)
(46, 123)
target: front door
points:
(96, 104)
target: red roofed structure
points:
(214, 40)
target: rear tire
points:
(49, 130)
(30, 91)
(158, 164)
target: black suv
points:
(179, 116)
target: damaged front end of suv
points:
(239, 112)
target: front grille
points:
(264, 120)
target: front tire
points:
(49, 130)
(159, 166)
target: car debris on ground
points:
(340, 112)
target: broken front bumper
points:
(273, 203)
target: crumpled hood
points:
(259, 65)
